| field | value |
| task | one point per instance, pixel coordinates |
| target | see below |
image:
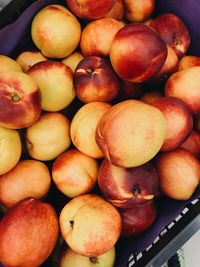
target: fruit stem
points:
(94, 260)
(136, 190)
(15, 98)
(90, 71)
(71, 223)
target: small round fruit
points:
(48, 137)
(74, 173)
(7, 64)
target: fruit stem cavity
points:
(136, 190)
(90, 71)
(94, 260)
(15, 98)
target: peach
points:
(179, 173)
(137, 53)
(139, 10)
(10, 149)
(131, 133)
(55, 81)
(185, 85)
(95, 80)
(74, 173)
(27, 59)
(138, 219)
(90, 225)
(151, 96)
(179, 121)
(173, 31)
(73, 60)
(20, 228)
(117, 11)
(19, 100)
(188, 62)
(55, 40)
(97, 36)
(48, 137)
(125, 187)
(192, 143)
(84, 125)
(69, 258)
(170, 66)
(88, 9)
(7, 64)
(29, 178)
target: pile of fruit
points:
(106, 110)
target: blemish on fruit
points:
(16, 98)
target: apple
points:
(179, 121)
(137, 53)
(29, 178)
(131, 133)
(10, 149)
(48, 137)
(19, 100)
(69, 258)
(137, 219)
(188, 62)
(55, 31)
(83, 128)
(20, 228)
(97, 36)
(139, 10)
(131, 90)
(73, 60)
(173, 31)
(27, 59)
(117, 10)
(55, 81)
(74, 173)
(151, 95)
(125, 187)
(90, 225)
(185, 85)
(88, 9)
(192, 143)
(170, 66)
(95, 80)
(178, 173)
(7, 64)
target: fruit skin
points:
(44, 141)
(150, 96)
(55, 40)
(131, 57)
(20, 228)
(188, 62)
(7, 64)
(192, 143)
(27, 59)
(179, 121)
(83, 128)
(125, 187)
(117, 11)
(178, 172)
(55, 81)
(185, 85)
(74, 173)
(29, 178)
(173, 31)
(90, 225)
(88, 9)
(138, 219)
(97, 36)
(73, 60)
(69, 258)
(10, 149)
(139, 10)
(131, 133)
(95, 80)
(20, 100)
